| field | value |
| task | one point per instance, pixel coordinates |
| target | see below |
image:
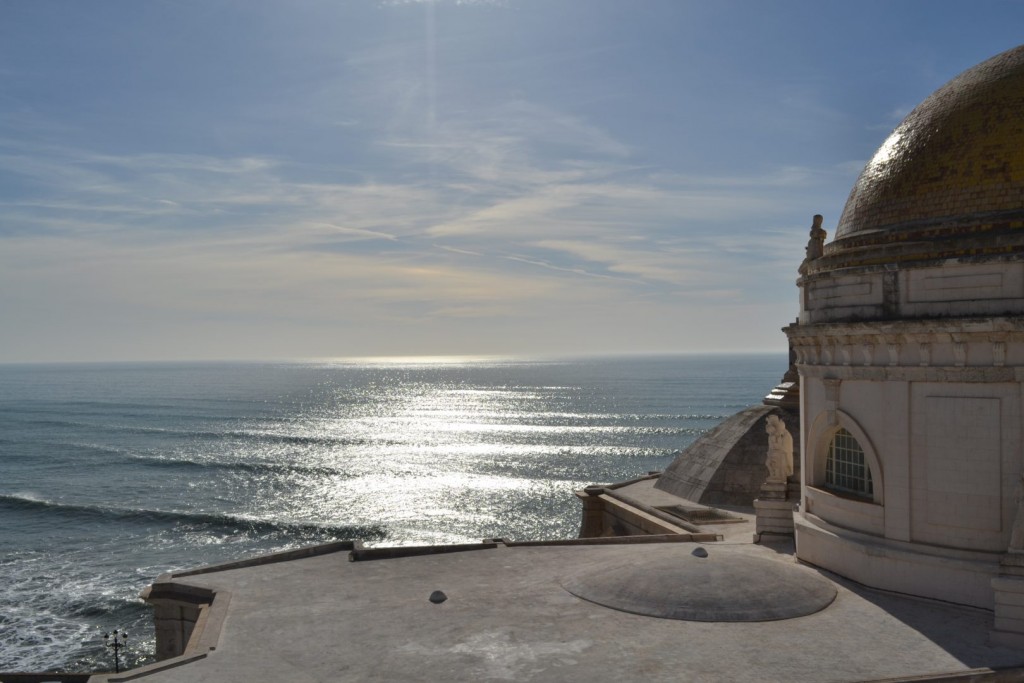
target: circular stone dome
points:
(948, 182)
(717, 584)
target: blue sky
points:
(242, 179)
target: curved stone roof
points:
(949, 181)
(713, 584)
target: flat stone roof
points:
(507, 617)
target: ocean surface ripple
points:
(111, 474)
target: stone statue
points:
(816, 243)
(780, 450)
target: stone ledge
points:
(361, 554)
(898, 566)
(271, 558)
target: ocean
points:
(111, 474)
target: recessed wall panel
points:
(962, 463)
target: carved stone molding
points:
(915, 373)
(960, 353)
(954, 343)
(924, 351)
(868, 353)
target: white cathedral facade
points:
(910, 351)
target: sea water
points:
(111, 474)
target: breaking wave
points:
(230, 523)
(250, 467)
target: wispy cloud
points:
(613, 222)
(432, 209)
(356, 233)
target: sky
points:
(240, 179)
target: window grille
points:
(845, 469)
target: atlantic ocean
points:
(111, 474)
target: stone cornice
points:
(954, 349)
(992, 236)
(932, 326)
(914, 374)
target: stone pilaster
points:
(774, 511)
(1008, 591)
(176, 609)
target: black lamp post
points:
(119, 640)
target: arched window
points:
(845, 469)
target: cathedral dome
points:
(910, 353)
(948, 182)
